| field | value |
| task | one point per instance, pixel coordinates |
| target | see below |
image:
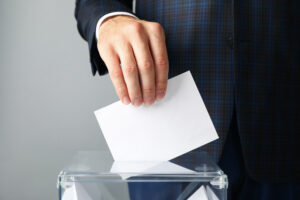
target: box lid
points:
(99, 166)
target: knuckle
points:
(162, 62)
(147, 66)
(116, 74)
(135, 95)
(117, 38)
(148, 91)
(161, 85)
(106, 51)
(156, 27)
(130, 69)
(135, 28)
(121, 89)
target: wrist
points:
(111, 16)
(117, 18)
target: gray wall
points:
(47, 96)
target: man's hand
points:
(135, 54)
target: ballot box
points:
(95, 175)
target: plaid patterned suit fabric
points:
(244, 57)
(197, 34)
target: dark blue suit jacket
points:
(244, 56)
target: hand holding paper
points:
(176, 125)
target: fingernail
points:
(137, 102)
(160, 94)
(125, 100)
(148, 101)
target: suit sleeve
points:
(87, 14)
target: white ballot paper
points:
(200, 194)
(171, 127)
(127, 169)
(210, 194)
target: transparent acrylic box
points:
(94, 175)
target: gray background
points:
(47, 96)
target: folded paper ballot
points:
(199, 194)
(171, 127)
(126, 169)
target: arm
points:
(87, 14)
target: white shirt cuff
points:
(110, 15)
